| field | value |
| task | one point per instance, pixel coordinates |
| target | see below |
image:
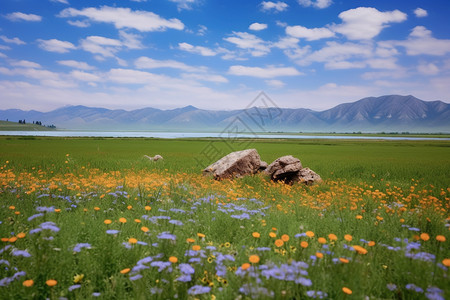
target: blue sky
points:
(220, 54)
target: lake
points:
(175, 135)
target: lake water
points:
(175, 135)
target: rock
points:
(235, 164)
(309, 177)
(285, 168)
(154, 158)
(263, 165)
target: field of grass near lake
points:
(84, 218)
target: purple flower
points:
(434, 293)
(96, 294)
(303, 281)
(74, 287)
(176, 222)
(35, 216)
(316, 294)
(112, 231)
(166, 236)
(45, 209)
(49, 226)
(241, 217)
(23, 253)
(4, 262)
(184, 278)
(80, 246)
(413, 287)
(186, 269)
(198, 290)
(392, 287)
(136, 277)
(36, 230)
(162, 265)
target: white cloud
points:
(269, 72)
(25, 64)
(15, 40)
(250, 42)
(257, 26)
(184, 4)
(276, 6)
(317, 3)
(204, 51)
(18, 16)
(100, 45)
(55, 45)
(310, 34)
(75, 64)
(428, 69)
(84, 76)
(364, 23)
(150, 63)
(275, 83)
(420, 12)
(420, 41)
(286, 43)
(130, 40)
(205, 77)
(202, 30)
(383, 63)
(125, 18)
(78, 23)
(60, 1)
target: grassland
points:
(14, 126)
(85, 218)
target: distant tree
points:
(20, 121)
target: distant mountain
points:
(391, 113)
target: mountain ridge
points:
(390, 113)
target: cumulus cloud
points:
(269, 72)
(255, 45)
(78, 23)
(101, 45)
(55, 45)
(317, 3)
(14, 40)
(310, 34)
(75, 64)
(125, 18)
(85, 76)
(420, 12)
(274, 6)
(18, 16)
(364, 23)
(257, 26)
(184, 4)
(25, 64)
(428, 69)
(204, 51)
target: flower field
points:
(81, 222)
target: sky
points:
(217, 54)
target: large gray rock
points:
(235, 164)
(285, 169)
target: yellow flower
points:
(129, 207)
(359, 217)
(28, 283)
(227, 245)
(96, 208)
(256, 235)
(200, 235)
(285, 237)
(309, 234)
(125, 271)
(51, 282)
(57, 210)
(347, 290)
(279, 243)
(78, 278)
(254, 259)
(173, 259)
(107, 221)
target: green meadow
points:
(86, 218)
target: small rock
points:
(285, 169)
(154, 158)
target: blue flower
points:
(35, 216)
(112, 231)
(316, 294)
(23, 253)
(392, 287)
(80, 246)
(166, 236)
(49, 226)
(176, 222)
(96, 294)
(413, 287)
(162, 265)
(45, 209)
(186, 269)
(184, 278)
(74, 287)
(198, 290)
(136, 277)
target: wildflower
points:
(285, 237)
(129, 207)
(227, 245)
(80, 246)
(136, 277)
(122, 220)
(112, 231)
(78, 278)
(319, 255)
(51, 282)
(196, 247)
(49, 226)
(57, 210)
(440, 238)
(147, 208)
(245, 266)
(107, 221)
(310, 234)
(198, 289)
(132, 240)
(347, 291)
(189, 240)
(279, 243)
(392, 287)
(256, 235)
(23, 253)
(413, 287)
(359, 217)
(200, 235)
(186, 269)
(166, 236)
(272, 234)
(35, 216)
(96, 294)
(316, 294)
(144, 229)
(96, 208)
(173, 259)
(332, 237)
(303, 244)
(28, 283)
(322, 240)
(343, 260)
(254, 259)
(446, 262)
(348, 237)
(176, 222)
(74, 287)
(359, 249)
(12, 239)
(425, 236)
(125, 271)
(12, 207)
(371, 243)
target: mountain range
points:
(391, 113)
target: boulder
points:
(235, 164)
(309, 177)
(285, 168)
(154, 158)
(263, 165)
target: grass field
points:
(14, 126)
(85, 218)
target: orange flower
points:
(347, 290)
(125, 271)
(144, 229)
(309, 234)
(200, 235)
(446, 262)
(272, 234)
(57, 210)
(319, 255)
(21, 235)
(256, 235)
(147, 208)
(17, 212)
(322, 240)
(254, 259)
(279, 243)
(12, 239)
(96, 208)
(189, 240)
(5, 239)
(359, 249)
(304, 244)
(343, 260)
(129, 207)
(440, 238)
(371, 244)
(274, 228)
(12, 207)
(332, 237)
(51, 282)
(107, 221)
(285, 237)
(245, 266)
(359, 217)
(196, 247)
(137, 220)
(122, 220)
(28, 283)
(173, 259)
(425, 236)
(132, 240)
(348, 237)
